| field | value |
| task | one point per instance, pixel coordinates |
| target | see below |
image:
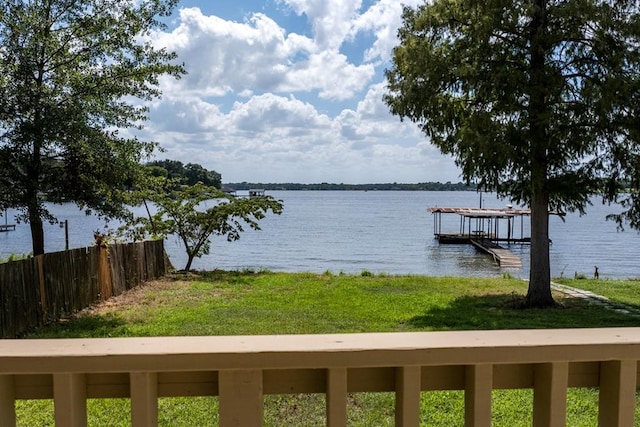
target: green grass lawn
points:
(229, 303)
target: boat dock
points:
(253, 192)
(486, 229)
(6, 227)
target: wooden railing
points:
(241, 369)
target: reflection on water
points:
(382, 232)
(462, 258)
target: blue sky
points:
(289, 91)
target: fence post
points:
(104, 273)
(43, 294)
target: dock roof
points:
(487, 213)
(482, 212)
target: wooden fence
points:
(42, 289)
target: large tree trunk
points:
(539, 293)
(187, 268)
(37, 231)
(34, 211)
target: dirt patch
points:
(132, 297)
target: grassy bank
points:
(223, 303)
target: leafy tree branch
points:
(197, 212)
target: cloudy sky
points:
(289, 91)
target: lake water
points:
(381, 232)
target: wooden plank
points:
(116, 259)
(43, 293)
(504, 257)
(104, 274)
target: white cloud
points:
(331, 73)
(276, 115)
(223, 56)
(383, 19)
(336, 21)
(188, 115)
(330, 19)
(271, 138)
(265, 104)
(257, 55)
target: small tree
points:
(537, 99)
(182, 211)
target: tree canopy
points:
(69, 70)
(537, 100)
(189, 174)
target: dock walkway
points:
(503, 257)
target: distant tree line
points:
(192, 173)
(423, 186)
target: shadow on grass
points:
(503, 312)
(84, 326)
(229, 276)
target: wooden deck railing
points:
(241, 369)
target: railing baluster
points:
(336, 397)
(550, 394)
(70, 399)
(144, 398)
(617, 393)
(241, 397)
(477, 395)
(408, 396)
(7, 400)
